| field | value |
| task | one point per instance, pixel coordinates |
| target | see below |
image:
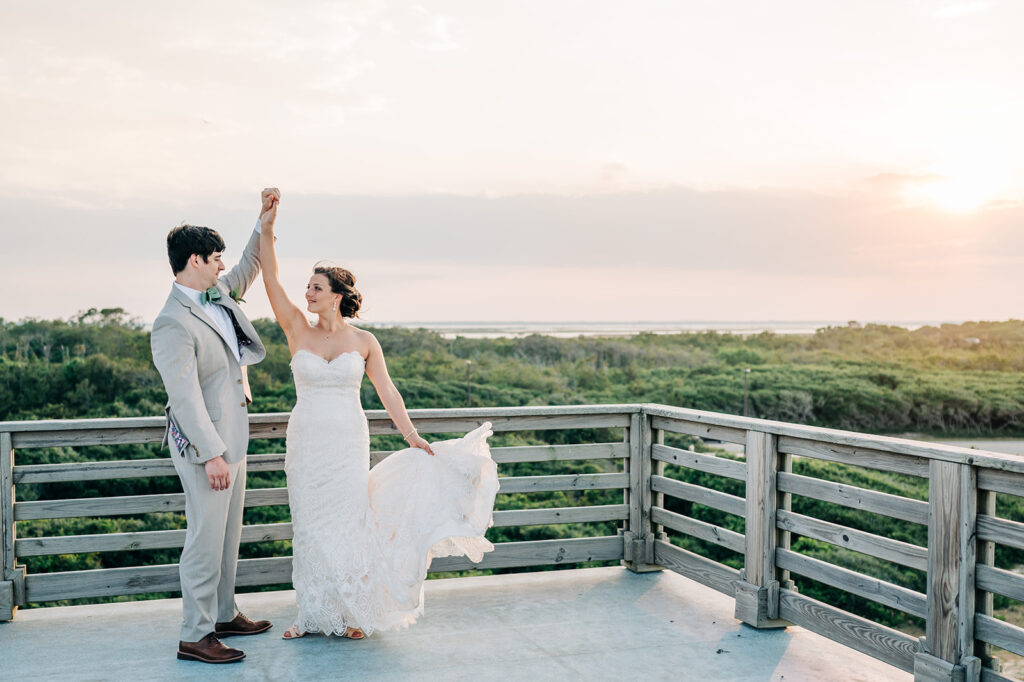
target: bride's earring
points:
(334, 307)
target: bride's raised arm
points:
(288, 315)
(377, 370)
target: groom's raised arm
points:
(174, 355)
(241, 276)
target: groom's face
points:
(209, 270)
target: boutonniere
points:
(236, 295)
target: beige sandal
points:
(292, 633)
(354, 633)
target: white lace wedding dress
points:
(363, 538)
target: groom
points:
(202, 343)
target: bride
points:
(363, 539)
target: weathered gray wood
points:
(88, 435)
(876, 590)
(1003, 531)
(885, 504)
(7, 529)
(761, 506)
(928, 668)
(984, 602)
(1009, 482)
(131, 504)
(1006, 583)
(902, 553)
(704, 431)
(1002, 634)
(559, 453)
(861, 457)
(122, 542)
(8, 605)
(657, 469)
(168, 539)
(535, 484)
(950, 619)
(538, 422)
(109, 582)
(543, 517)
(634, 529)
(885, 644)
(276, 418)
(989, 675)
(538, 553)
(699, 529)
(164, 578)
(899, 446)
(142, 468)
(710, 464)
(264, 497)
(699, 494)
(695, 567)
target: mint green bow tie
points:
(211, 295)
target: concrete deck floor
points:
(587, 624)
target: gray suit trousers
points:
(210, 556)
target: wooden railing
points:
(656, 516)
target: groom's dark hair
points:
(184, 240)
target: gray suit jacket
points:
(207, 387)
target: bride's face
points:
(319, 297)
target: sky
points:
(549, 160)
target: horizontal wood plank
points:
(109, 582)
(131, 504)
(699, 494)
(855, 456)
(699, 529)
(538, 553)
(1006, 583)
(885, 644)
(709, 464)
(903, 553)
(876, 590)
(123, 542)
(899, 446)
(695, 567)
(1000, 633)
(1009, 482)
(703, 431)
(141, 468)
(1002, 531)
(536, 484)
(915, 511)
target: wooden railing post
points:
(948, 648)
(638, 538)
(983, 599)
(12, 577)
(757, 592)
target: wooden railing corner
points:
(639, 534)
(12, 577)
(757, 590)
(949, 647)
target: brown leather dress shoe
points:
(208, 650)
(240, 625)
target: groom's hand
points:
(219, 474)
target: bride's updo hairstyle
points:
(342, 282)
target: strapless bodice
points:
(317, 377)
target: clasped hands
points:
(270, 198)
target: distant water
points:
(493, 330)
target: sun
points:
(963, 185)
(953, 194)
